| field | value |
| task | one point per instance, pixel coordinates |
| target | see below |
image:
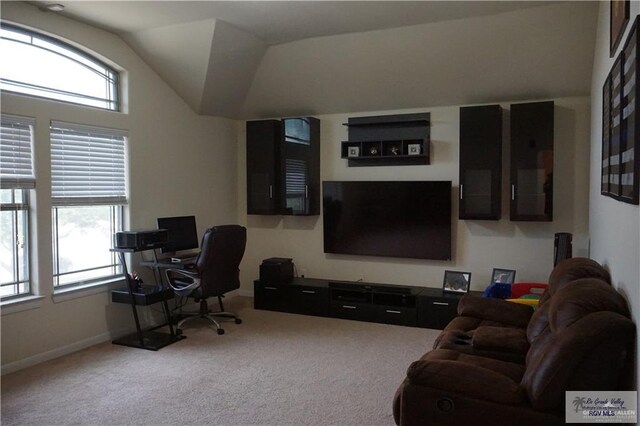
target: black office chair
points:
(215, 272)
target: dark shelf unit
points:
(532, 146)
(144, 295)
(480, 162)
(387, 140)
(372, 302)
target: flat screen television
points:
(408, 219)
(181, 233)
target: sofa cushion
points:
(500, 339)
(497, 310)
(581, 297)
(512, 370)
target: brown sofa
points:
(586, 344)
(503, 330)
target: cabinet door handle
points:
(461, 189)
(348, 307)
(306, 191)
(309, 291)
(441, 303)
(270, 192)
(270, 288)
(389, 311)
(513, 192)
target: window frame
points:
(22, 208)
(112, 75)
(81, 140)
(116, 224)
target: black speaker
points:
(562, 247)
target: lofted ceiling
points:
(246, 59)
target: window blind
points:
(295, 176)
(87, 165)
(16, 152)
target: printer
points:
(276, 269)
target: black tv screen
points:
(409, 219)
(182, 233)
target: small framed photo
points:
(503, 276)
(413, 149)
(353, 151)
(456, 282)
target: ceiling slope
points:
(179, 54)
(535, 53)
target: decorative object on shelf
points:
(413, 149)
(354, 151)
(373, 150)
(619, 18)
(620, 175)
(456, 282)
(395, 150)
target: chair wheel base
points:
(238, 321)
(178, 332)
(220, 331)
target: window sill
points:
(21, 304)
(76, 292)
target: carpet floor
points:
(273, 369)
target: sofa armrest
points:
(466, 379)
(498, 310)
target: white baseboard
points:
(63, 350)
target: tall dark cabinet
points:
(532, 161)
(263, 166)
(283, 166)
(480, 162)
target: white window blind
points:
(87, 165)
(16, 152)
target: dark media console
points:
(383, 303)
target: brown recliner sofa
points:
(503, 330)
(586, 345)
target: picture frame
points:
(618, 20)
(620, 168)
(413, 149)
(353, 151)
(456, 282)
(503, 276)
(629, 160)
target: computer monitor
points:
(182, 233)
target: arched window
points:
(38, 65)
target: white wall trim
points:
(12, 306)
(60, 351)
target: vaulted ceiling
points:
(287, 58)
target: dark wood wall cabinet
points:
(532, 161)
(480, 162)
(402, 139)
(283, 166)
(383, 303)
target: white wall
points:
(614, 226)
(478, 246)
(180, 164)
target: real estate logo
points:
(601, 407)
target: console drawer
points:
(396, 315)
(352, 310)
(436, 312)
(271, 297)
(309, 301)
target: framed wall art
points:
(621, 125)
(618, 20)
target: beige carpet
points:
(274, 369)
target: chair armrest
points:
(183, 290)
(466, 379)
(495, 310)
